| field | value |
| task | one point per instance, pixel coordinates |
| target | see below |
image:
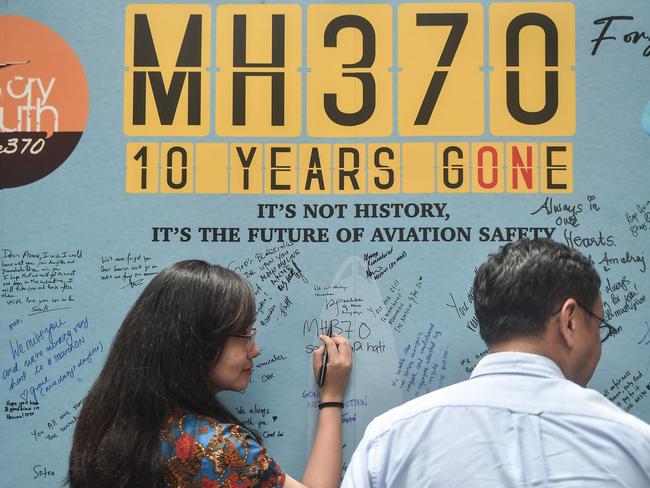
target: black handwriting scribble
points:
(646, 337)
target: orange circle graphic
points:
(43, 101)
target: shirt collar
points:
(517, 363)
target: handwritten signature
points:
(133, 283)
(38, 309)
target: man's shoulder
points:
(598, 405)
(427, 404)
(557, 398)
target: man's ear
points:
(567, 322)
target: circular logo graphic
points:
(43, 101)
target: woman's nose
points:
(255, 351)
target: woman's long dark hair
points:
(158, 363)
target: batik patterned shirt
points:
(201, 452)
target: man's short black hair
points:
(519, 288)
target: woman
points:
(152, 418)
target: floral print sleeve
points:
(204, 453)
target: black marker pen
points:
(323, 366)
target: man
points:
(524, 418)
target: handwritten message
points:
(422, 365)
(57, 424)
(42, 280)
(398, 303)
(45, 355)
(21, 409)
(638, 219)
(129, 270)
(463, 307)
(628, 389)
(273, 272)
(470, 362)
(262, 418)
(623, 296)
(378, 263)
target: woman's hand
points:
(339, 364)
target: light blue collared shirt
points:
(517, 422)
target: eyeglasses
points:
(606, 329)
(249, 336)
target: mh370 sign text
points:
(403, 73)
